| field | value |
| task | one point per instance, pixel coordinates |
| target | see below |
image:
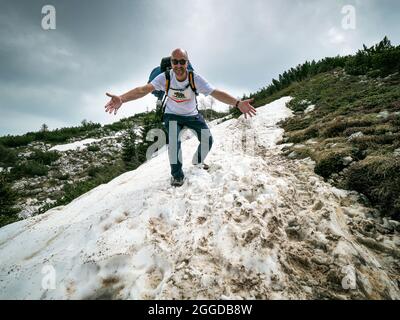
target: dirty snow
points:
(255, 226)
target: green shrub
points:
(29, 169)
(93, 148)
(54, 136)
(131, 154)
(302, 135)
(358, 153)
(378, 178)
(374, 141)
(329, 163)
(210, 114)
(61, 176)
(117, 126)
(8, 198)
(8, 156)
(7, 219)
(379, 60)
(45, 158)
(16, 141)
(93, 171)
(365, 130)
(297, 104)
(295, 123)
(338, 126)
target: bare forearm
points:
(136, 93)
(224, 97)
(243, 105)
(133, 95)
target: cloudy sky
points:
(59, 77)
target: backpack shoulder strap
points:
(167, 86)
(193, 87)
(191, 82)
(167, 81)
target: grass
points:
(378, 178)
(345, 105)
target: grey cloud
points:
(103, 45)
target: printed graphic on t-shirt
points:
(180, 95)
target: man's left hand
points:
(246, 108)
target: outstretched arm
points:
(116, 101)
(243, 105)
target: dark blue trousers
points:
(174, 124)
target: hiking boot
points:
(205, 166)
(177, 182)
(202, 166)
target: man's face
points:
(177, 66)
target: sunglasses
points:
(182, 62)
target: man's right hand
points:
(114, 104)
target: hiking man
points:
(181, 109)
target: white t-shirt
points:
(181, 98)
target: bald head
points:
(179, 54)
(179, 63)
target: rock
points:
(318, 206)
(27, 212)
(286, 146)
(387, 225)
(373, 244)
(395, 224)
(348, 212)
(309, 109)
(319, 244)
(292, 155)
(383, 114)
(35, 191)
(355, 135)
(347, 160)
(293, 222)
(294, 232)
(326, 214)
(311, 141)
(397, 152)
(334, 276)
(307, 289)
(318, 259)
